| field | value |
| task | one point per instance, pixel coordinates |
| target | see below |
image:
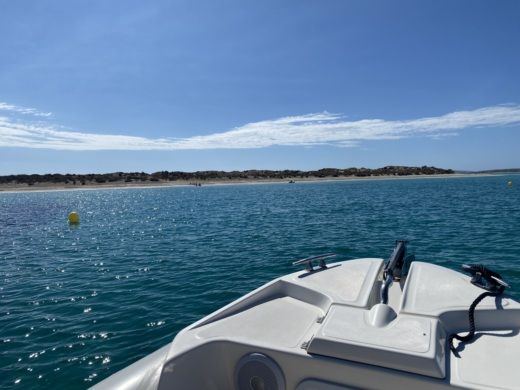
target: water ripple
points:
(79, 303)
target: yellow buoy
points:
(510, 183)
(73, 218)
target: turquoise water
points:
(79, 303)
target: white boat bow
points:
(357, 324)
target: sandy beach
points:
(185, 183)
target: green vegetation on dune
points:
(172, 176)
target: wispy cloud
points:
(307, 130)
(23, 110)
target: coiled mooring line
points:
(471, 317)
(484, 278)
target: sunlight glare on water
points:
(81, 302)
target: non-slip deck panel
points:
(409, 343)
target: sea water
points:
(78, 303)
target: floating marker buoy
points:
(510, 183)
(73, 218)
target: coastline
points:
(46, 187)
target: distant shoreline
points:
(46, 187)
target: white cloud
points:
(304, 130)
(23, 110)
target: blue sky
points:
(102, 86)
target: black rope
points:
(471, 317)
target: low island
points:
(169, 178)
